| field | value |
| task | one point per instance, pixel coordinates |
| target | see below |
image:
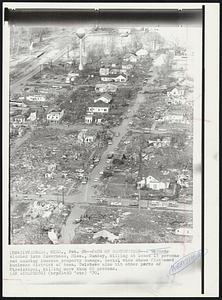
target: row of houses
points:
(100, 106)
(119, 73)
(121, 78)
(54, 115)
(110, 73)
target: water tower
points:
(80, 33)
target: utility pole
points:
(125, 188)
(67, 52)
(139, 198)
(63, 196)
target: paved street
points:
(87, 192)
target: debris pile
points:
(123, 225)
(32, 222)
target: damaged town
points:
(101, 136)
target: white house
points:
(39, 98)
(106, 98)
(176, 100)
(114, 71)
(71, 77)
(123, 71)
(101, 88)
(104, 71)
(89, 118)
(120, 78)
(18, 120)
(176, 92)
(55, 115)
(153, 183)
(127, 66)
(99, 107)
(142, 53)
(32, 116)
(85, 136)
(130, 57)
(107, 78)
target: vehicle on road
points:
(80, 171)
(110, 142)
(101, 173)
(173, 204)
(110, 155)
(96, 179)
(91, 167)
(116, 203)
(165, 198)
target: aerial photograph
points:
(101, 135)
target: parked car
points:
(109, 155)
(80, 171)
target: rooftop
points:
(106, 95)
(99, 104)
(155, 173)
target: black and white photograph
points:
(110, 149)
(101, 134)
